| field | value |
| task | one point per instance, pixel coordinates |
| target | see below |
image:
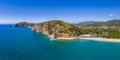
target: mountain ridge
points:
(110, 23)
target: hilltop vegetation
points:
(58, 29)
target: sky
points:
(72, 11)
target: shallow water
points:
(24, 44)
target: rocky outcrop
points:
(24, 24)
(57, 29)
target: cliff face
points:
(57, 29)
(54, 29)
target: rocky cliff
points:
(57, 29)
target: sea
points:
(19, 43)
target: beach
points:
(101, 39)
(91, 38)
(62, 38)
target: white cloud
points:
(110, 15)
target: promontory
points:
(54, 29)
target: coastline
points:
(92, 39)
(62, 38)
(83, 38)
(101, 39)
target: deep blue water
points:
(24, 44)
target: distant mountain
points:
(87, 22)
(111, 23)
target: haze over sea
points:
(24, 44)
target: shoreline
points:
(101, 39)
(61, 38)
(92, 39)
(67, 38)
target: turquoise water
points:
(24, 44)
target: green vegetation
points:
(101, 32)
(108, 29)
(112, 34)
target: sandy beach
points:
(101, 39)
(92, 38)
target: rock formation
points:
(24, 24)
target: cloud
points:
(110, 15)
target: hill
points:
(55, 29)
